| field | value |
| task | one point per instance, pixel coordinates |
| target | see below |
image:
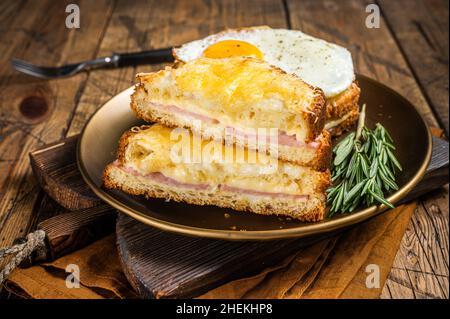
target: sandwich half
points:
(317, 62)
(161, 162)
(242, 95)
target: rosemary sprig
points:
(364, 168)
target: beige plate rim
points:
(303, 231)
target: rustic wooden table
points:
(409, 52)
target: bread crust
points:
(343, 103)
(347, 125)
(311, 210)
(316, 118)
(123, 144)
(324, 155)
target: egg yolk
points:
(228, 48)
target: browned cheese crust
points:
(315, 115)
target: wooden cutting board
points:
(165, 265)
(160, 264)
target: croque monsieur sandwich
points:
(243, 95)
(147, 165)
(317, 62)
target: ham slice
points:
(283, 138)
(239, 190)
(176, 109)
(161, 178)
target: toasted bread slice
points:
(342, 110)
(145, 166)
(241, 94)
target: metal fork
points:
(115, 60)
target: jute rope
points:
(35, 242)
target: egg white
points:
(317, 62)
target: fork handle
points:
(143, 57)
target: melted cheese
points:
(152, 150)
(236, 91)
(333, 123)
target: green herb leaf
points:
(344, 149)
(364, 167)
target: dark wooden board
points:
(73, 230)
(437, 171)
(58, 175)
(163, 265)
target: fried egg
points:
(317, 62)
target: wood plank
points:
(410, 267)
(431, 226)
(421, 30)
(376, 54)
(421, 264)
(73, 230)
(396, 287)
(16, 21)
(148, 258)
(34, 112)
(56, 169)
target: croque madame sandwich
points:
(151, 162)
(317, 62)
(240, 95)
(233, 104)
